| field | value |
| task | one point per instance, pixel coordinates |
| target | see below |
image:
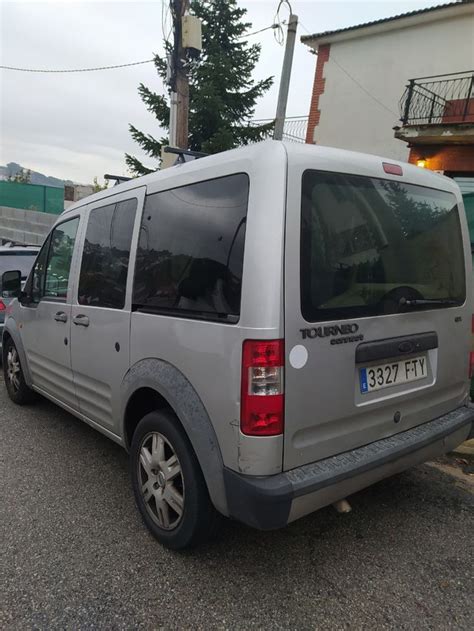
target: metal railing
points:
(441, 99)
(294, 128)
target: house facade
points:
(401, 87)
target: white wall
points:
(383, 63)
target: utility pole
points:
(179, 106)
(285, 77)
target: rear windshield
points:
(22, 261)
(370, 245)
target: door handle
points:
(60, 316)
(81, 320)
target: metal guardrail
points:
(294, 129)
(440, 99)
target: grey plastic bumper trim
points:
(265, 502)
(319, 475)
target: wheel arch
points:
(153, 384)
(11, 331)
(141, 402)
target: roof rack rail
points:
(183, 153)
(118, 178)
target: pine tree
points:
(222, 93)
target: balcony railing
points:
(437, 100)
(294, 128)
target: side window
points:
(35, 284)
(191, 249)
(104, 267)
(59, 259)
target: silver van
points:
(266, 331)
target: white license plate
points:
(392, 374)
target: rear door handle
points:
(60, 316)
(81, 320)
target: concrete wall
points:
(382, 64)
(75, 192)
(24, 226)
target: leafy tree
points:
(22, 177)
(96, 187)
(222, 93)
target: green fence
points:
(46, 199)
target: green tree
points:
(97, 187)
(22, 177)
(222, 93)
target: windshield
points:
(22, 261)
(371, 246)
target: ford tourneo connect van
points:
(267, 330)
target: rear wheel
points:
(15, 383)
(168, 484)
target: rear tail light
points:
(262, 399)
(2, 305)
(471, 354)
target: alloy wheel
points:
(161, 481)
(13, 368)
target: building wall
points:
(319, 84)
(453, 158)
(382, 64)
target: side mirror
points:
(11, 284)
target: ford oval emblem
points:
(406, 347)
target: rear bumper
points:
(274, 501)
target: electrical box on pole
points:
(191, 29)
(187, 47)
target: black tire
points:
(17, 389)
(198, 520)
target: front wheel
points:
(168, 484)
(15, 382)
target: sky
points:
(75, 126)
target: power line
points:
(134, 63)
(165, 15)
(274, 26)
(278, 33)
(301, 24)
(374, 98)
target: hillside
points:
(12, 168)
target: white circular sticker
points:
(298, 356)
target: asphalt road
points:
(74, 554)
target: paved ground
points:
(73, 552)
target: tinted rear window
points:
(191, 248)
(22, 261)
(368, 244)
